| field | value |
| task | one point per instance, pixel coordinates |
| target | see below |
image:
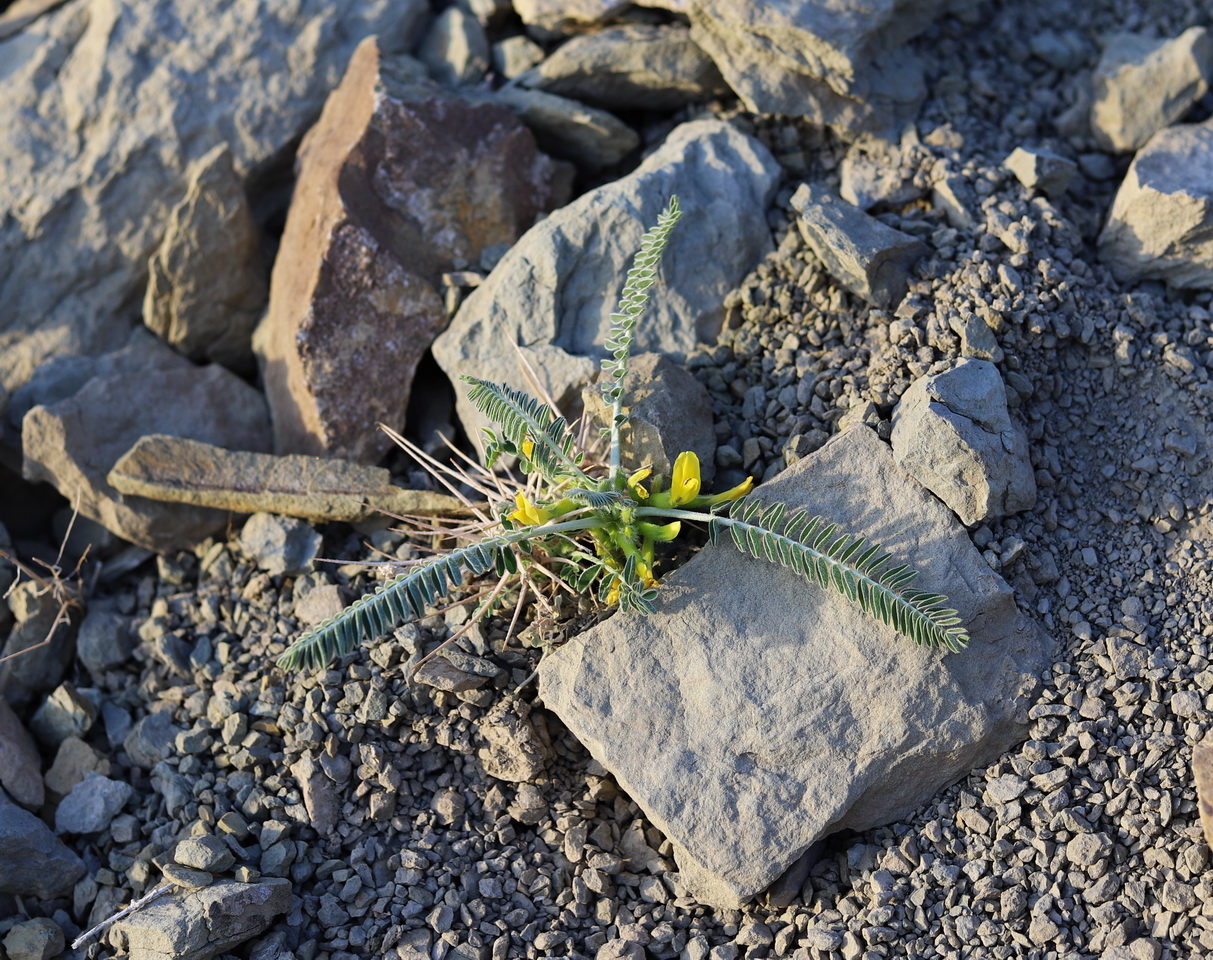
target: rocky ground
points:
(361, 812)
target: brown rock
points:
(397, 182)
(178, 470)
(207, 284)
(20, 767)
(74, 442)
(1202, 773)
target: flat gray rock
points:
(637, 66)
(1161, 223)
(953, 433)
(202, 923)
(550, 298)
(867, 257)
(1143, 84)
(20, 765)
(106, 106)
(833, 63)
(753, 713)
(587, 136)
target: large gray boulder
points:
(202, 923)
(33, 861)
(832, 63)
(952, 433)
(1143, 84)
(753, 713)
(1161, 223)
(548, 302)
(106, 104)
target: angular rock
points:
(550, 19)
(92, 804)
(74, 761)
(202, 923)
(1143, 84)
(633, 67)
(1161, 223)
(952, 433)
(206, 853)
(207, 284)
(105, 640)
(321, 800)
(1202, 775)
(279, 545)
(551, 296)
(871, 260)
(20, 765)
(20, 14)
(834, 64)
(32, 859)
(150, 740)
(513, 751)
(177, 470)
(397, 181)
(106, 105)
(455, 50)
(874, 172)
(514, 56)
(74, 442)
(65, 713)
(591, 138)
(29, 668)
(668, 410)
(37, 939)
(1037, 168)
(753, 713)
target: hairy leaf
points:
(522, 418)
(853, 566)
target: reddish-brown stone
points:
(398, 182)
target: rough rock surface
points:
(207, 284)
(74, 442)
(1162, 218)
(455, 50)
(1202, 776)
(551, 296)
(90, 182)
(636, 66)
(834, 64)
(203, 923)
(591, 138)
(279, 545)
(668, 410)
(20, 765)
(953, 433)
(397, 181)
(37, 939)
(1037, 168)
(1143, 84)
(870, 259)
(105, 639)
(741, 717)
(32, 859)
(92, 804)
(177, 470)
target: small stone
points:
(1187, 703)
(1005, 789)
(151, 739)
(1177, 896)
(38, 939)
(871, 260)
(92, 804)
(186, 877)
(1036, 167)
(20, 765)
(1087, 849)
(279, 545)
(32, 859)
(65, 713)
(206, 853)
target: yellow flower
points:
(660, 532)
(736, 493)
(528, 514)
(685, 486)
(528, 449)
(634, 483)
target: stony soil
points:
(1084, 842)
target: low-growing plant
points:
(595, 528)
